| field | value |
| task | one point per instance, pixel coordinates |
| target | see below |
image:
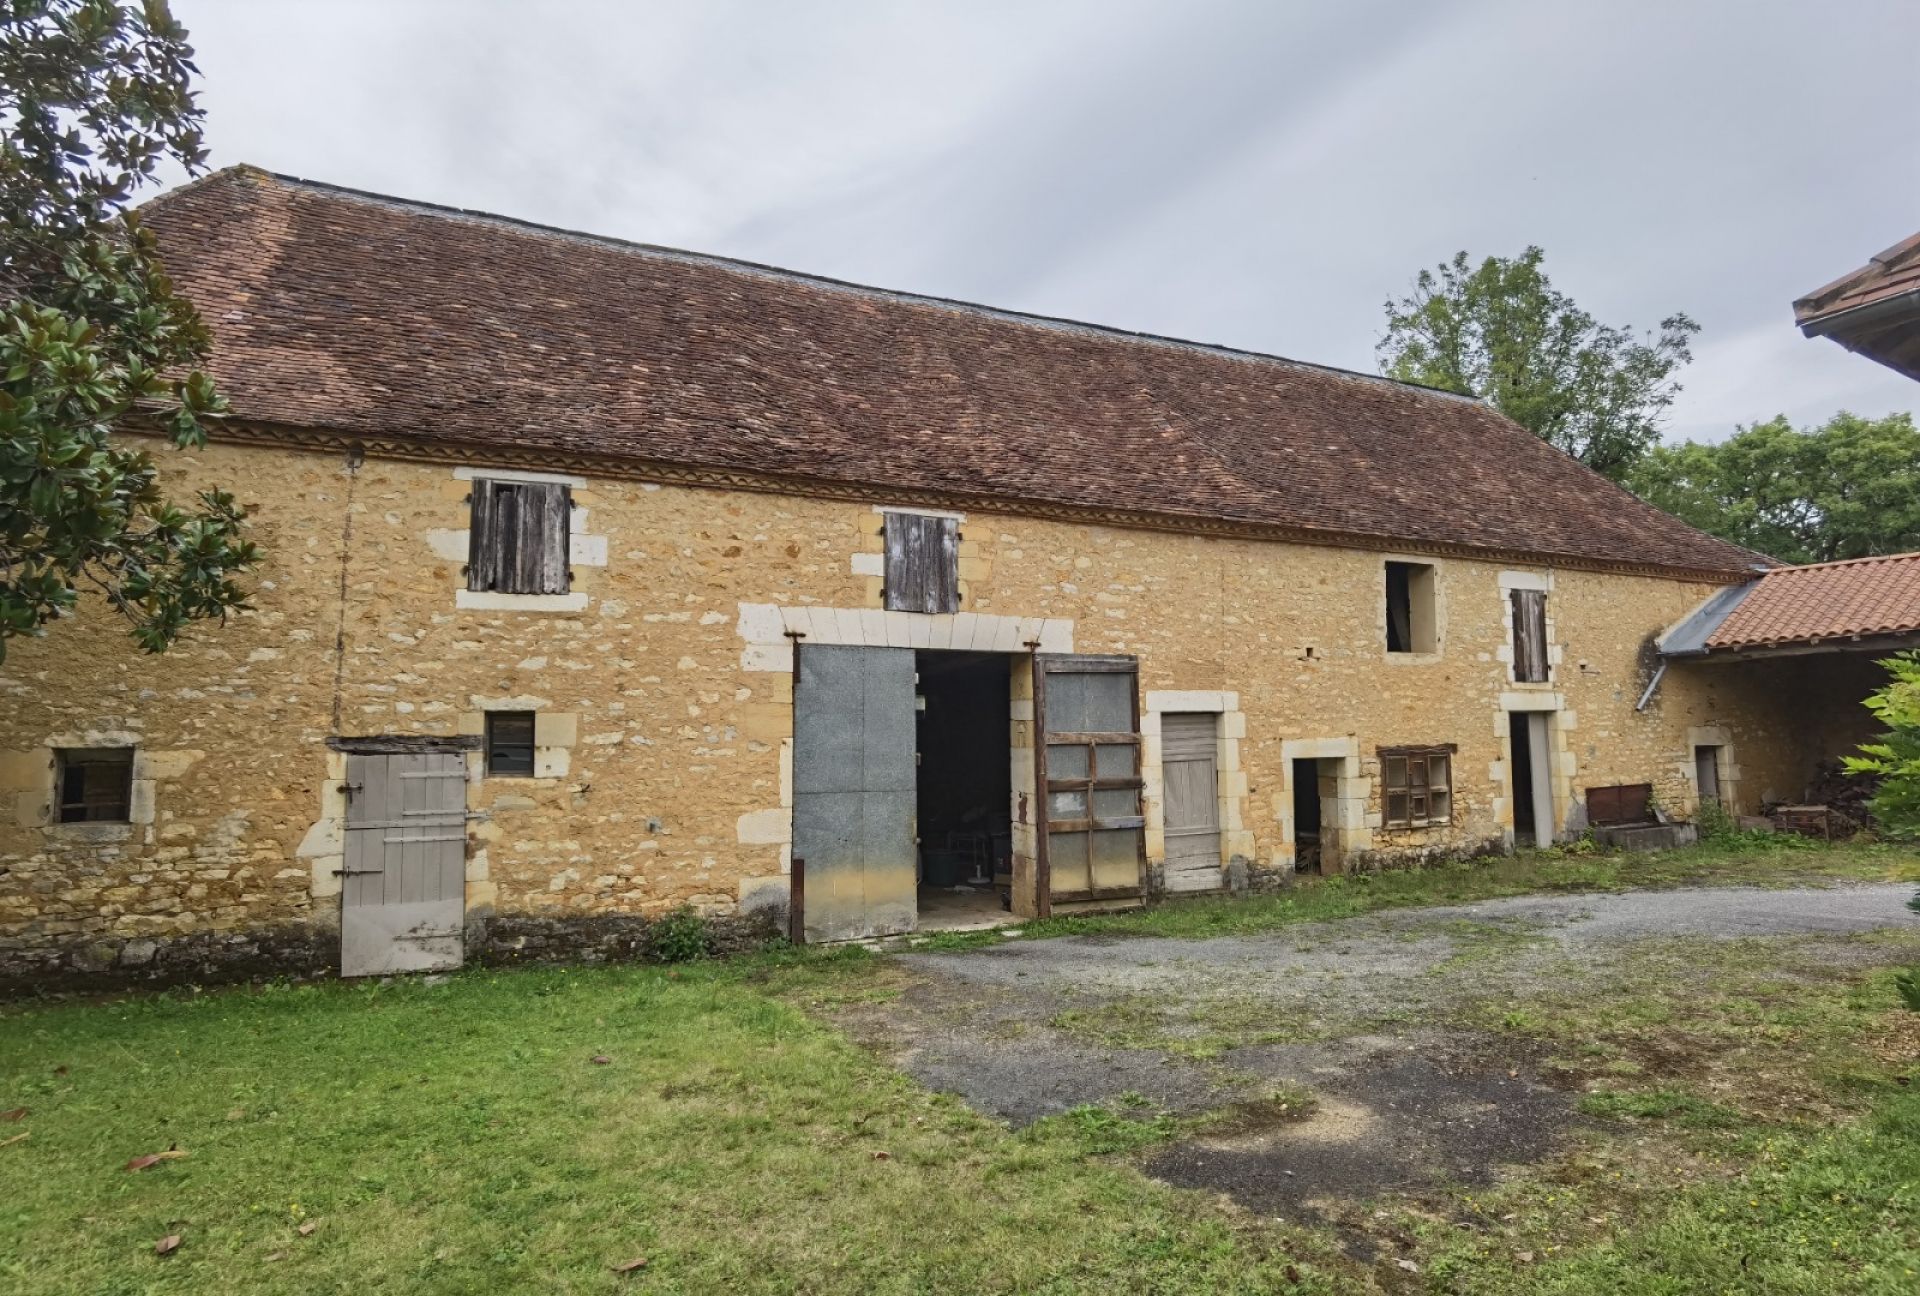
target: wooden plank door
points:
(1539, 736)
(1092, 832)
(1190, 780)
(854, 785)
(403, 890)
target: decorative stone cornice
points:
(710, 477)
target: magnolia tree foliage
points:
(95, 99)
(1896, 757)
(1847, 489)
(1501, 332)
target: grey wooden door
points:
(1190, 782)
(403, 891)
(854, 777)
(1093, 837)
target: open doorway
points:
(1309, 843)
(964, 787)
(1706, 773)
(1527, 779)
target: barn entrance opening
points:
(964, 788)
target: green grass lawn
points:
(461, 1137)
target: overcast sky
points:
(1259, 173)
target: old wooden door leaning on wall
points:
(1094, 831)
(854, 786)
(1189, 772)
(403, 888)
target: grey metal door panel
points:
(854, 780)
(403, 896)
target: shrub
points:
(680, 936)
(1907, 985)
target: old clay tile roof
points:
(1874, 310)
(373, 316)
(1825, 601)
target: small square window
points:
(1418, 786)
(94, 784)
(510, 744)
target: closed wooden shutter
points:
(923, 563)
(1530, 636)
(518, 539)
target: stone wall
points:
(662, 683)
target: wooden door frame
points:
(1086, 664)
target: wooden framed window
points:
(1530, 636)
(94, 784)
(1417, 786)
(509, 744)
(923, 563)
(517, 542)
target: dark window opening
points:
(518, 541)
(923, 563)
(95, 785)
(1410, 608)
(510, 744)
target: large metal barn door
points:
(853, 790)
(1093, 837)
(1189, 775)
(403, 890)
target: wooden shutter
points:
(923, 563)
(518, 540)
(1530, 636)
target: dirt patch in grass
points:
(1391, 1114)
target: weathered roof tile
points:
(377, 317)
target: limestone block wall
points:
(663, 690)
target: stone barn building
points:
(603, 579)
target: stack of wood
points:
(1843, 795)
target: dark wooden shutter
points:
(1530, 636)
(923, 563)
(518, 543)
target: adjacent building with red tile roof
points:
(1874, 310)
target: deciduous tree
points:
(1500, 331)
(95, 99)
(1847, 489)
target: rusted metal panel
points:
(1093, 832)
(1530, 636)
(403, 884)
(517, 540)
(1622, 803)
(854, 787)
(923, 563)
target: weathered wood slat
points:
(922, 563)
(1530, 636)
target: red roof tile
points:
(1838, 600)
(371, 316)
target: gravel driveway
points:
(1382, 1018)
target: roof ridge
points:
(1840, 562)
(781, 272)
